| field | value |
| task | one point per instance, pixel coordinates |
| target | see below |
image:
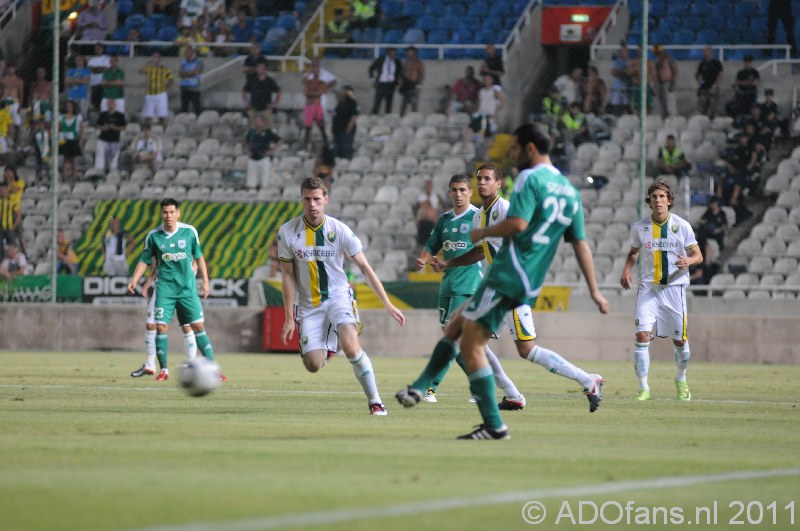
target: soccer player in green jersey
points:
(173, 246)
(451, 236)
(544, 208)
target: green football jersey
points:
(553, 209)
(173, 254)
(451, 235)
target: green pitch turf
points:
(85, 446)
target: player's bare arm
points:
(423, 259)
(141, 267)
(288, 289)
(626, 280)
(473, 256)
(583, 253)
(205, 288)
(375, 283)
(693, 257)
(149, 281)
(505, 229)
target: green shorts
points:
(188, 308)
(448, 306)
(489, 308)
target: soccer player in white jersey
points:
(316, 293)
(668, 248)
(519, 320)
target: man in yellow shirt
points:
(5, 124)
(159, 79)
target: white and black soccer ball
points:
(199, 377)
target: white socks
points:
(556, 364)
(150, 349)
(682, 355)
(500, 377)
(641, 363)
(362, 368)
(190, 344)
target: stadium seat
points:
(413, 36)
(167, 33)
(286, 21)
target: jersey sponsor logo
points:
(464, 228)
(331, 236)
(181, 244)
(662, 245)
(447, 245)
(174, 257)
(313, 253)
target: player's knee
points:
(524, 348)
(313, 364)
(642, 337)
(161, 328)
(197, 327)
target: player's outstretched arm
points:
(375, 283)
(505, 229)
(288, 289)
(205, 289)
(473, 256)
(583, 253)
(626, 280)
(141, 267)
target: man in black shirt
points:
(771, 114)
(344, 123)
(745, 88)
(111, 123)
(260, 144)
(740, 164)
(712, 226)
(253, 59)
(261, 94)
(493, 65)
(708, 76)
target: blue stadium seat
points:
(745, 10)
(275, 34)
(434, 8)
(262, 24)
(392, 8)
(683, 36)
(658, 8)
(412, 8)
(269, 48)
(455, 10)
(427, 23)
(135, 21)
(695, 54)
(491, 24)
(636, 8)
(414, 36)
(148, 32)
(448, 24)
(438, 37)
(167, 33)
(393, 36)
(478, 9)
(695, 23)
(369, 35)
(157, 20)
(679, 8)
(286, 21)
(759, 24)
(463, 36)
(707, 36)
(469, 23)
(124, 8)
(300, 7)
(736, 27)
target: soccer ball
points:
(199, 377)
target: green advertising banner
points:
(36, 288)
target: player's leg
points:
(149, 366)
(313, 331)
(674, 306)
(442, 358)
(646, 306)
(163, 310)
(189, 341)
(190, 310)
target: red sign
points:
(572, 24)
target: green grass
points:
(84, 446)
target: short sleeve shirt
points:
(173, 254)
(661, 245)
(451, 236)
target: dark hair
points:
(671, 136)
(660, 184)
(531, 134)
(460, 178)
(313, 183)
(168, 201)
(411, 48)
(498, 173)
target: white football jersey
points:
(318, 257)
(496, 213)
(660, 246)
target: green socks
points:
(481, 383)
(204, 344)
(437, 366)
(162, 343)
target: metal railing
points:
(720, 49)
(521, 22)
(10, 12)
(377, 47)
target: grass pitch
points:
(84, 446)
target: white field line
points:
(410, 509)
(297, 392)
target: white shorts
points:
(14, 111)
(318, 327)
(120, 105)
(520, 323)
(155, 105)
(664, 307)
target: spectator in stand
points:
(201, 34)
(713, 225)
(364, 14)
(71, 138)
(386, 73)
(313, 113)
(66, 258)
(464, 93)
(491, 101)
(316, 70)
(41, 94)
(40, 136)
(135, 36)
(77, 83)
(6, 123)
(167, 7)
(116, 248)
(429, 205)
(759, 130)
(666, 78)
(253, 59)
(222, 34)
(554, 105)
(411, 81)
(13, 91)
(343, 127)
(781, 9)
(745, 89)
(92, 24)
(260, 144)
(189, 74)
(16, 188)
(10, 216)
(158, 81)
(620, 82)
(574, 129)
(191, 9)
(147, 150)
(325, 166)
(772, 115)
(570, 84)
(113, 86)
(261, 95)
(98, 64)
(594, 93)
(338, 32)
(14, 263)
(273, 7)
(111, 124)
(242, 30)
(740, 166)
(214, 9)
(709, 77)
(635, 73)
(493, 65)
(672, 160)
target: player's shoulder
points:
(292, 224)
(187, 228)
(677, 221)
